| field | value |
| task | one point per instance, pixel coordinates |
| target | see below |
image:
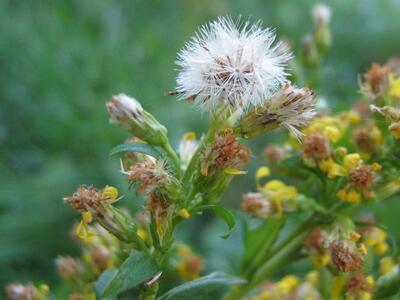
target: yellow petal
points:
(189, 136)
(262, 172)
(273, 185)
(235, 172)
(351, 161)
(110, 192)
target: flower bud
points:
(311, 56)
(129, 113)
(291, 107)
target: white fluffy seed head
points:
(228, 64)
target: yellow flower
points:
(273, 185)
(351, 161)
(110, 193)
(183, 213)
(353, 117)
(184, 250)
(395, 129)
(386, 265)
(376, 167)
(83, 231)
(287, 284)
(312, 277)
(394, 86)
(381, 248)
(376, 135)
(351, 196)
(262, 172)
(331, 168)
(331, 127)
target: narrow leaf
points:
(260, 239)
(221, 212)
(135, 147)
(137, 268)
(214, 282)
(103, 281)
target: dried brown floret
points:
(343, 258)
(316, 147)
(362, 177)
(224, 152)
(357, 284)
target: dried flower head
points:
(315, 241)
(358, 284)
(273, 154)
(364, 140)
(190, 266)
(84, 198)
(343, 258)
(362, 177)
(257, 205)
(291, 107)
(225, 152)
(316, 148)
(227, 64)
(68, 267)
(157, 205)
(149, 175)
(376, 80)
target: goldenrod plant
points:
(311, 199)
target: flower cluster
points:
(312, 200)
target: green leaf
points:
(259, 240)
(214, 282)
(135, 147)
(221, 212)
(388, 285)
(103, 281)
(137, 268)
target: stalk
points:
(173, 157)
(278, 257)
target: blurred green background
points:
(61, 60)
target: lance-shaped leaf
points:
(200, 288)
(137, 268)
(259, 240)
(136, 147)
(221, 212)
(103, 281)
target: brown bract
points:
(377, 77)
(148, 175)
(316, 147)
(343, 259)
(362, 177)
(357, 284)
(83, 198)
(224, 152)
(364, 140)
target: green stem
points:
(173, 157)
(278, 257)
(149, 293)
(275, 262)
